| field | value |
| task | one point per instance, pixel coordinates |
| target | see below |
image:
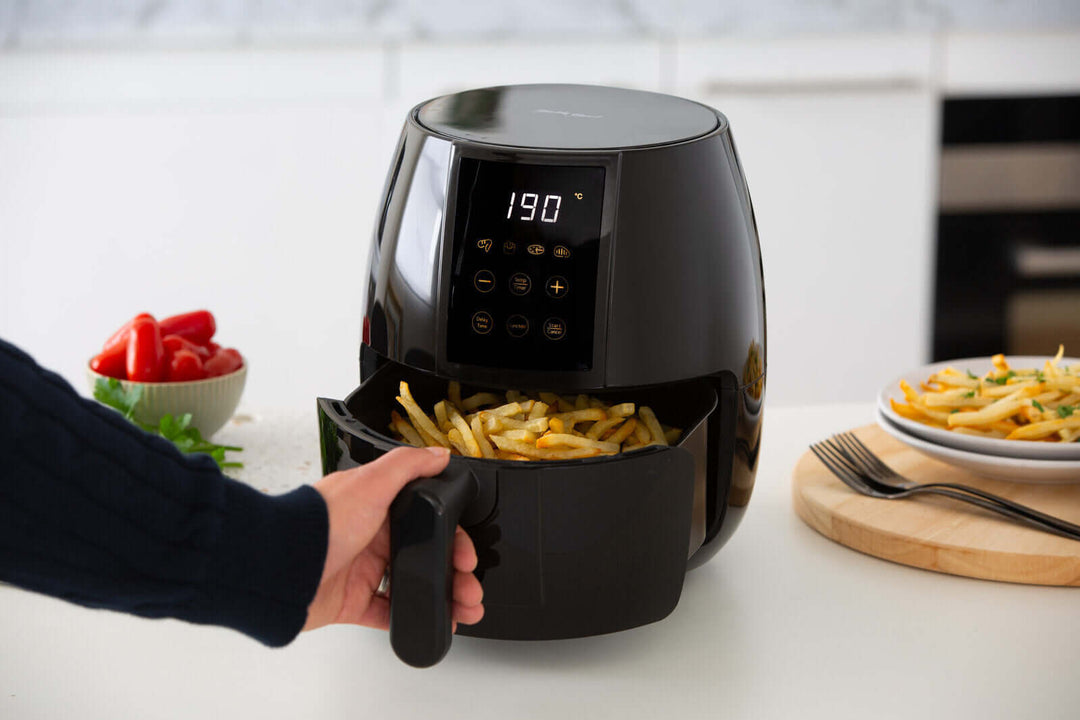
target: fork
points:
(863, 471)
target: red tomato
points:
(185, 365)
(223, 362)
(197, 326)
(119, 339)
(112, 363)
(145, 352)
(176, 342)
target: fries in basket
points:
(517, 426)
(1040, 404)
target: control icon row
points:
(517, 326)
(521, 284)
(509, 247)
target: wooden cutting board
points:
(939, 533)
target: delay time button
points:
(520, 283)
(554, 328)
(482, 322)
(557, 286)
(484, 281)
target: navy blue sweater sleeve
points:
(100, 513)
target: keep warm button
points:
(554, 328)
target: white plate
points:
(972, 443)
(1021, 470)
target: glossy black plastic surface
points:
(679, 288)
(678, 322)
(423, 520)
(566, 117)
(567, 548)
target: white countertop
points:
(782, 623)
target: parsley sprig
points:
(178, 431)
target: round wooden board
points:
(938, 533)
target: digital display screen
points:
(523, 278)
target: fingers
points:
(467, 607)
(464, 552)
(468, 615)
(386, 475)
(467, 590)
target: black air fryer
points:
(573, 239)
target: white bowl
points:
(211, 402)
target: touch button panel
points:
(523, 274)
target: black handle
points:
(423, 519)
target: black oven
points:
(1007, 275)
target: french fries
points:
(517, 426)
(1033, 404)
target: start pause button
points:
(554, 328)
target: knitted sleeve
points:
(95, 511)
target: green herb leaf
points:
(972, 375)
(969, 394)
(1038, 406)
(1065, 411)
(178, 431)
(111, 392)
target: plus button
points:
(557, 287)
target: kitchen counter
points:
(782, 623)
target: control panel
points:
(524, 264)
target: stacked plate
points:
(1013, 460)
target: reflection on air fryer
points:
(520, 426)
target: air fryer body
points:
(665, 296)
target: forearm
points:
(97, 512)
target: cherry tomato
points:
(185, 365)
(197, 326)
(119, 339)
(145, 352)
(112, 363)
(223, 362)
(173, 343)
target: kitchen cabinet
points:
(839, 146)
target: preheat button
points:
(554, 328)
(484, 281)
(517, 325)
(482, 323)
(520, 283)
(556, 286)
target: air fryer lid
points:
(567, 117)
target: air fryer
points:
(574, 239)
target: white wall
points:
(246, 181)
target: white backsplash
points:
(35, 23)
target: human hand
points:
(358, 549)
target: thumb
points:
(400, 466)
